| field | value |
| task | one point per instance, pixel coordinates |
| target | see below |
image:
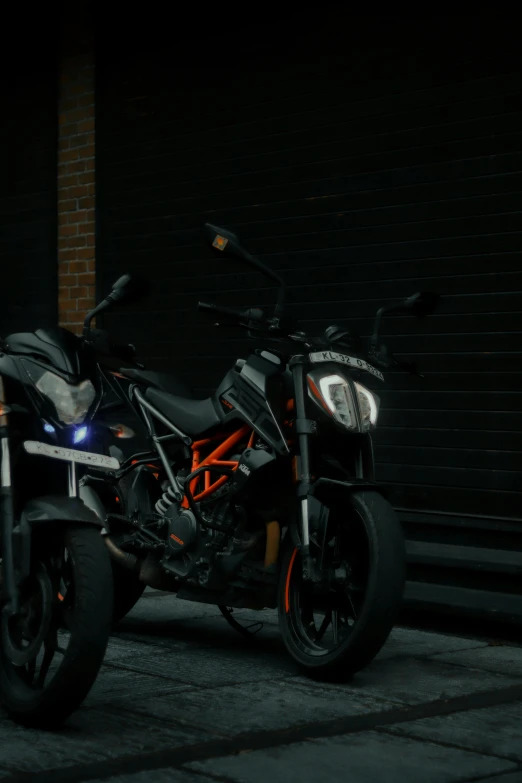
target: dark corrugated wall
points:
(363, 162)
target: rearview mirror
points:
(129, 289)
(226, 242)
(223, 240)
(422, 303)
(125, 289)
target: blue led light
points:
(80, 434)
(49, 428)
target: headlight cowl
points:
(348, 402)
(72, 403)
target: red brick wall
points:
(76, 188)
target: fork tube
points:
(73, 480)
(304, 477)
(7, 512)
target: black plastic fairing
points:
(255, 394)
(58, 348)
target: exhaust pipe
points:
(92, 500)
(125, 559)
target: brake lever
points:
(385, 358)
(381, 356)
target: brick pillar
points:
(76, 171)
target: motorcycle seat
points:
(161, 380)
(193, 417)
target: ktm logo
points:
(226, 403)
(245, 470)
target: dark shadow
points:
(207, 633)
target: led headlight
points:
(368, 406)
(71, 402)
(350, 403)
(335, 395)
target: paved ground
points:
(183, 698)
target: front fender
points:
(46, 510)
(58, 508)
(330, 489)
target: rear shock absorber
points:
(166, 500)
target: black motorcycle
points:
(264, 495)
(56, 578)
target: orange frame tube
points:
(214, 458)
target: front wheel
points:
(51, 652)
(127, 591)
(335, 627)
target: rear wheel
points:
(336, 627)
(51, 652)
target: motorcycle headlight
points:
(351, 404)
(368, 406)
(71, 402)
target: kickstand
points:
(244, 630)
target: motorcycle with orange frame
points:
(264, 494)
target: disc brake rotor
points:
(23, 635)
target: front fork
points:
(304, 428)
(10, 588)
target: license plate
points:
(349, 361)
(71, 455)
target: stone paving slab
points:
(490, 658)
(176, 675)
(364, 758)
(496, 730)
(159, 776)
(117, 686)
(207, 668)
(510, 777)
(90, 735)
(414, 681)
(255, 706)
(417, 644)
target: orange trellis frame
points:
(216, 457)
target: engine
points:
(207, 544)
(193, 548)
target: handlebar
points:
(99, 341)
(252, 314)
(334, 336)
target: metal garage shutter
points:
(386, 162)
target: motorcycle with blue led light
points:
(55, 573)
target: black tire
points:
(89, 619)
(372, 518)
(127, 591)
(127, 587)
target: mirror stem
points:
(102, 306)
(377, 325)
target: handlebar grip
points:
(252, 314)
(214, 309)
